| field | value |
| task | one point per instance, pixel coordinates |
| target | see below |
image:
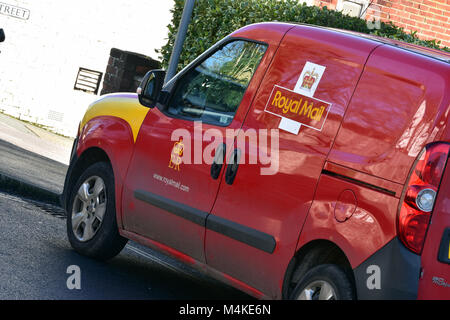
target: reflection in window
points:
(213, 90)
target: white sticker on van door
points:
(289, 125)
(309, 79)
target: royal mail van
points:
(289, 161)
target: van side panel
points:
(277, 205)
(359, 228)
(401, 104)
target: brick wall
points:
(430, 18)
(125, 71)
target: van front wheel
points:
(91, 219)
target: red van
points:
(289, 161)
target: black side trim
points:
(178, 209)
(359, 182)
(236, 231)
(252, 237)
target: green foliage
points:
(214, 19)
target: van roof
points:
(432, 53)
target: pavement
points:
(33, 161)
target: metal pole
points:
(179, 40)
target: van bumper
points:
(392, 273)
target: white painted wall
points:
(40, 58)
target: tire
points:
(324, 282)
(91, 215)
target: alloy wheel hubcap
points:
(89, 207)
(318, 290)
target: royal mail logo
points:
(307, 111)
(176, 155)
(309, 79)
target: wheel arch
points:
(103, 138)
(86, 159)
(312, 254)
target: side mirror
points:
(150, 87)
(2, 35)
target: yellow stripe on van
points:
(125, 106)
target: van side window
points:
(212, 91)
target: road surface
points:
(35, 256)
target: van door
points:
(256, 220)
(169, 190)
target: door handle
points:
(219, 159)
(233, 166)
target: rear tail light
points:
(420, 194)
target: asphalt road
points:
(35, 255)
(31, 167)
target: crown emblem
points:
(309, 79)
(176, 155)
